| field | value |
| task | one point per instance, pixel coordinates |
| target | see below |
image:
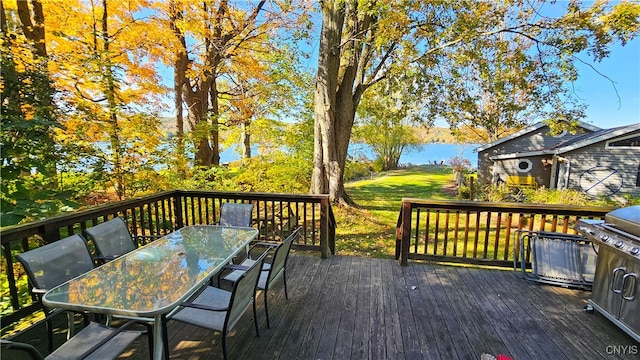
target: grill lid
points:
(626, 219)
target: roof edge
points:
(622, 130)
(529, 129)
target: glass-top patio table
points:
(153, 280)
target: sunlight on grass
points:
(370, 228)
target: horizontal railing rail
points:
(275, 215)
(483, 233)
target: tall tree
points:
(223, 33)
(363, 42)
(28, 153)
(101, 67)
(259, 89)
(386, 122)
(346, 57)
(180, 62)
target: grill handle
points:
(614, 279)
(632, 278)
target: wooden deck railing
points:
(482, 233)
(275, 215)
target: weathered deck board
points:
(359, 308)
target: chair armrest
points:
(39, 291)
(262, 244)
(203, 307)
(236, 267)
(232, 267)
(267, 244)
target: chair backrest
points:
(111, 238)
(50, 265)
(281, 255)
(232, 214)
(243, 292)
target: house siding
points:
(509, 167)
(533, 141)
(624, 161)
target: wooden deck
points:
(361, 308)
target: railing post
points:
(325, 248)
(332, 230)
(50, 233)
(13, 290)
(399, 234)
(405, 232)
(177, 205)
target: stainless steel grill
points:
(616, 293)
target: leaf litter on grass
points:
(369, 229)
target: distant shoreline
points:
(428, 154)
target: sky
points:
(606, 109)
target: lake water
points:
(425, 154)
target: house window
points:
(638, 177)
(524, 165)
(629, 142)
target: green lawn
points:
(369, 229)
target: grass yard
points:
(369, 229)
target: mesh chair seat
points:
(116, 342)
(232, 214)
(94, 342)
(212, 320)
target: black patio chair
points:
(217, 309)
(271, 271)
(112, 239)
(51, 265)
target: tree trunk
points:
(339, 87)
(33, 30)
(113, 126)
(11, 95)
(202, 88)
(245, 138)
(214, 114)
(327, 174)
(197, 102)
(179, 77)
(32, 23)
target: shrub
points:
(275, 172)
(544, 195)
(357, 169)
(464, 192)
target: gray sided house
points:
(598, 162)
